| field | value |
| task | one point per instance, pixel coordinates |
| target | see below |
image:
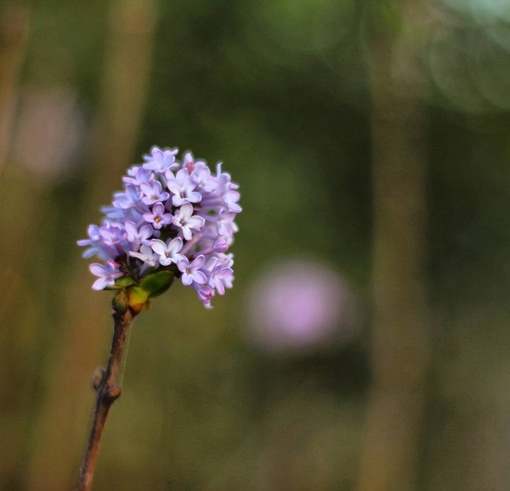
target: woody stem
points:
(107, 391)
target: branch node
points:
(114, 392)
(98, 378)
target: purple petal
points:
(159, 247)
(100, 284)
(199, 277)
(97, 269)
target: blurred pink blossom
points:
(50, 130)
(299, 305)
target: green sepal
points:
(138, 299)
(152, 285)
(125, 281)
(122, 283)
(156, 284)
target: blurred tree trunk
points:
(400, 331)
(17, 333)
(59, 438)
(13, 36)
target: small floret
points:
(107, 274)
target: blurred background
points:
(365, 343)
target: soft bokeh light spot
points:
(482, 10)
(467, 53)
(299, 304)
(51, 126)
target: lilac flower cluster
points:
(171, 215)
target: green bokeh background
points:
(280, 91)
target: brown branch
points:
(107, 390)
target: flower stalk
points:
(172, 220)
(106, 387)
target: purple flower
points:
(158, 216)
(182, 188)
(107, 274)
(139, 175)
(153, 193)
(93, 241)
(226, 225)
(137, 237)
(168, 251)
(128, 199)
(171, 216)
(221, 276)
(111, 242)
(147, 255)
(201, 176)
(204, 293)
(161, 160)
(220, 245)
(191, 272)
(185, 220)
(232, 196)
